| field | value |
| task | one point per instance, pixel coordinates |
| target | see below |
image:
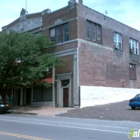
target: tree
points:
(24, 58)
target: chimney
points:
(75, 1)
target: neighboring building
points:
(96, 51)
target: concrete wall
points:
(95, 95)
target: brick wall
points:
(66, 65)
(101, 64)
(102, 67)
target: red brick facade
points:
(101, 64)
(87, 62)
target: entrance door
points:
(28, 96)
(65, 97)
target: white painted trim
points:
(78, 87)
(95, 44)
(66, 42)
(61, 77)
(64, 53)
(64, 75)
(87, 42)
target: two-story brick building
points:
(96, 51)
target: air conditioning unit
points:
(120, 46)
(131, 50)
(116, 47)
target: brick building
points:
(96, 51)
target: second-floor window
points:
(133, 46)
(66, 32)
(52, 34)
(60, 33)
(93, 32)
(117, 41)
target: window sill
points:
(133, 54)
(94, 41)
(118, 49)
(65, 42)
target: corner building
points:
(95, 50)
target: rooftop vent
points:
(46, 11)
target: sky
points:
(125, 11)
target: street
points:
(30, 127)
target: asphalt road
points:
(28, 127)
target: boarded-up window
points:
(132, 71)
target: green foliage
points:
(24, 58)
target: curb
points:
(23, 113)
(59, 113)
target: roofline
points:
(34, 14)
(112, 18)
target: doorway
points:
(28, 96)
(65, 97)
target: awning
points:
(49, 80)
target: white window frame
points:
(134, 46)
(117, 41)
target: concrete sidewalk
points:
(41, 111)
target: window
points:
(132, 71)
(60, 33)
(52, 34)
(98, 32)
(66, 32)
(93, 32)
(42, 94)
(88, 30)
(134, 47)
(118, 41)
(137, 96)
(65, 82)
